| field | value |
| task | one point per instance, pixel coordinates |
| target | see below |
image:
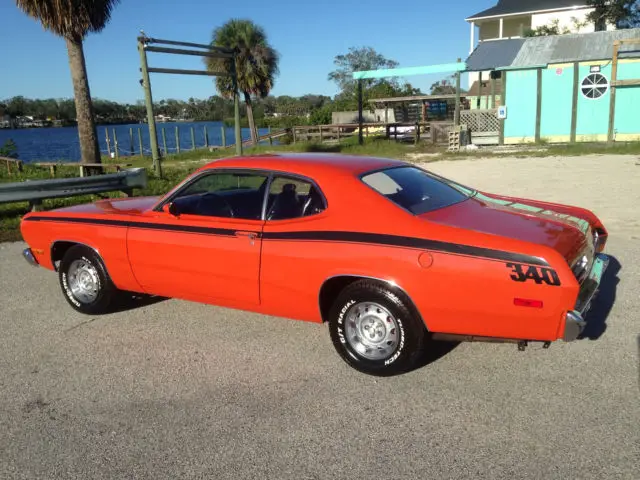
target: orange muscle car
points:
(391, 256)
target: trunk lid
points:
(515, 220)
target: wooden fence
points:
(483, 124)
(435, 132)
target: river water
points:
(62, 144)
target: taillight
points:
(526, 302)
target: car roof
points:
(308, 164)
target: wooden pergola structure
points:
(457, 67)
(146, 44)
(423, 99)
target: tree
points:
(73, 20)
(256, 63)
(359, 59)
(445, 86)
(621, 13)
(9, 149)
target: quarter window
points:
(293, 198)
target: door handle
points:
(250, 235)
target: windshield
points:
(416, 190)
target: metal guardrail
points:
(34, 191)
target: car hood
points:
(515, 220)
(126, 206)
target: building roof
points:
(491, 55)
(542, 51)
(513, 7)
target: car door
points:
(292, 262)
(207, 248)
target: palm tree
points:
(73, 20)
(256, 63)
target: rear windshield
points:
(416, 190)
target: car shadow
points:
(603, 303)
(433, 351)
(130, 301)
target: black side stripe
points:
(146, 225)
(326, 236)
(409, 242)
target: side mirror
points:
(170, 208)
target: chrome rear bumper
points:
(575, 322)
(29, 257)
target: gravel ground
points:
(183, 390)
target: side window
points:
(225, 194)
(293, 198)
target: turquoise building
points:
(561, 88)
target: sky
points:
(307, 35)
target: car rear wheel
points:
(84, 280)
(375, 330)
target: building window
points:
(594, 85)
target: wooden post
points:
(320, 128)
(293, 132)
(493, 89)
(612, 94)
(223, 136)
(538, 104)
(479, 101)
(131, 149)
(503, 102)
(164, 141)
(177, 140)
(206, 137)
(574, 102)
(270, 137)
(339, 131)
(193, 139)
(115, 144)
(148, 100)
(140, 142)
(106, 134)
(456, 117)
(360, 119)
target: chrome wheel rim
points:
(371, 331)
(83, 281)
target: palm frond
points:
(257, 61)
(70, 18)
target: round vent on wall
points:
(594, 85)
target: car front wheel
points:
(84, 280)
(374, 329)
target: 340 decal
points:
(540, 275)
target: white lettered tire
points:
(85, 282)
(375, 329)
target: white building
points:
(513, 18)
